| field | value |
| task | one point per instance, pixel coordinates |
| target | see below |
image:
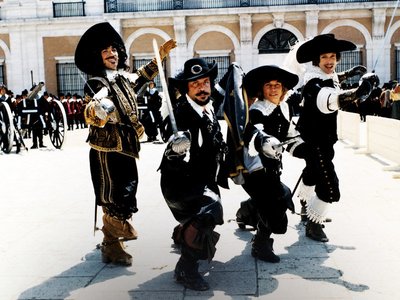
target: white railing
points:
(380, 136)
(349, 128)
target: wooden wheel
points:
(57, 123)
(7, 131)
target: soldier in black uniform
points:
(32, 115)
(114, 131)
(189, 169)
(323, 97)
(152, 116)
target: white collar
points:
(316, 72)
(208, 108)
(267, 107)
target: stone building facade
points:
(37, 41)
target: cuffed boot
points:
(262, 248)
(186, 273)
(119, 228)
(314, 231)
(112, 250)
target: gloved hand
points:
(166, 48)
(270, 147)
(361, 93)
(104, 108)
(357, 70)
(364, 90)
(180, 143)
(372, 78)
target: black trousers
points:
(115, 181)
(266, 190)
(320, 171)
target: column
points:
(243, 55)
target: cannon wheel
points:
(58, 122)
(6, 128)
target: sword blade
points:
(165, 88)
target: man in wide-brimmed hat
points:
(317, 124)
(189, 169)
(114, 131)
(269, 125)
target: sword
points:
(289, 141)
(165, 88)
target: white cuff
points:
(317, 210)
(306, 192)
(327, 100)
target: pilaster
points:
(246, 43)
(311, 24)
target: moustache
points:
(202, 93)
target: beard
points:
(202, 103)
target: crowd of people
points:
(30, 111)
(197, 160)
(383, 102)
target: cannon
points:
(15, 121)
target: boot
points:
(262, 248)
(186, 273)
(112, 250)
(314, 231)
(118, 228)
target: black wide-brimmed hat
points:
(254, 80)
(96, 38)
(320, 44)
(195, 68)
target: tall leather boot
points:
(112, 250)
(314, 231)
(115, 231)
(262, 244)
(187, 274)
(262, 249)
(119, 228)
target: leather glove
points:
(357, 70)
(361, 93)
(104, 108)
(270, 147)
(180, 143)
(372, 78)
(364, 90)
(166, 48)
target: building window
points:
(69, 9)
(2, 78)
(70, 79)
(348, 60)
(139, 62)
(276, 41)
(397, 61)
(223, 64)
